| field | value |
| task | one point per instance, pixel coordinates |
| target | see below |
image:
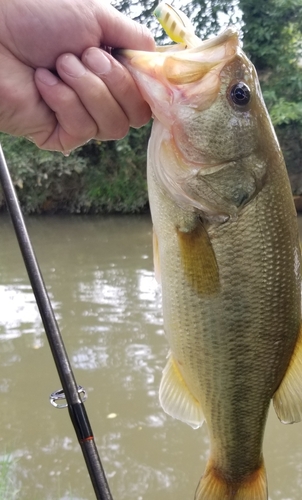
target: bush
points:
(96, 178)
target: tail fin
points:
(213, 486)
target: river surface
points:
(99, 274)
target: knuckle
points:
(122, 130)
(124, 81)
(118, 130)
(143, 118)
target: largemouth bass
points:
(227, 255)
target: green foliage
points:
(211, 16)
(273, 40)
(272, 32)
(116, 177)
(98, 177)
(208, 16)
(42, 179)
(284, 112)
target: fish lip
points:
(168, 61)
(210, 43)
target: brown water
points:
(99, 274)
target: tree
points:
(208, 16)
(272, 34)
(272, 38)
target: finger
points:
(120, 31)
(73, 125)
(120, 84)
(111, 120)
(38, 32)
(22, 110)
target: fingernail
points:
(46, 77)
(72, 66)
(97, 61)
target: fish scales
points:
(228, 256)
(222, 370)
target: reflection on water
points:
(99, 274)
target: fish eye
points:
(240, 94)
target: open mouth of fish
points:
(173, 73)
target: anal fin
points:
(288, 397)
(175, 397)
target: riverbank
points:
(108, 177)
(102, 178)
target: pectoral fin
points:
(175, 397)
(199, 260)
(288, 397)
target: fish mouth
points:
(210, 43)
(173, 68)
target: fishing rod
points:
(70, 391)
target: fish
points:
(227, 255)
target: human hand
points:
(95, 98)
